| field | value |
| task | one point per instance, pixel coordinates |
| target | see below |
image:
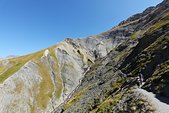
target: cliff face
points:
(94, 74)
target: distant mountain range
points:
(9, 56)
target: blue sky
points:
(27, 26)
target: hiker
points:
(141, 78)
(138, 81)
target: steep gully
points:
(71, 94)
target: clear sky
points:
(27, 26)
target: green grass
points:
(75, 98)
(17, 63)
(164, 68)
(107, 105)
(157, 26)
(126, 24)
(59, 81)
(163, 21)
(119, 82)
(159, 79)
(46, 87)
(2, 68)
(135, 35)
(157, 46)
(150, 53)
(56, 67)
(10, 71)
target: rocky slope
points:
(111, 83)
(93, 74)
(40, 81)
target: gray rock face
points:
(57, 72)
(17, 93)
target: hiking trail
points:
(158, 105)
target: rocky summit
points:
(122, 70)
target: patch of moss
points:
(119, 82)
(135, 35)
(108, 104)
(75, 98)
(163, 68)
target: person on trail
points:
(138, 81)
(141, 78)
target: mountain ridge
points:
(93, 74)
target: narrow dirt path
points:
(159, 106)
